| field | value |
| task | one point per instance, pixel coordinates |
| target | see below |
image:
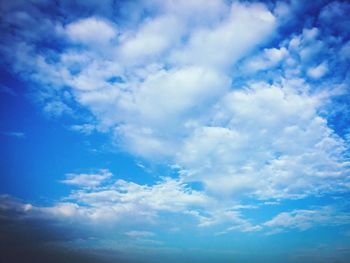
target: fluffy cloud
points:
(267, 141)
(165, 88)
(230, 40)
(268, 59)
(91, 31)
(155, 36)
(318, 71)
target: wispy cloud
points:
(139, 234)
(7, 90)
(88, 180)
(306, 219)
(19, 135)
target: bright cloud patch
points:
(305, 219)
(89, 180)
(91, 31)
(267, 141)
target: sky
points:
(174, 131)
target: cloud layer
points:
(241, 99)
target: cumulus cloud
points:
(295, 146)
(165, 78)
(155, 35)
(230, 40)
(268, 59)
(91, 31)
(318, 71)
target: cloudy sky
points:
(174, 131)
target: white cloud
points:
(318, 71)
(268, 59)
(302, 52)
(151, 39)
(242, 227)
(88, 180)
(216, 216)
(63, 210)
(161, 105)
(57, 108)
(91, 31)
(265, 141)
(306, 219)
(310, 34)
(221, 46)
(128, 202)
(170, 66)
(168, 195)
(84, 128)
(124, 201)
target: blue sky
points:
(176, 131)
